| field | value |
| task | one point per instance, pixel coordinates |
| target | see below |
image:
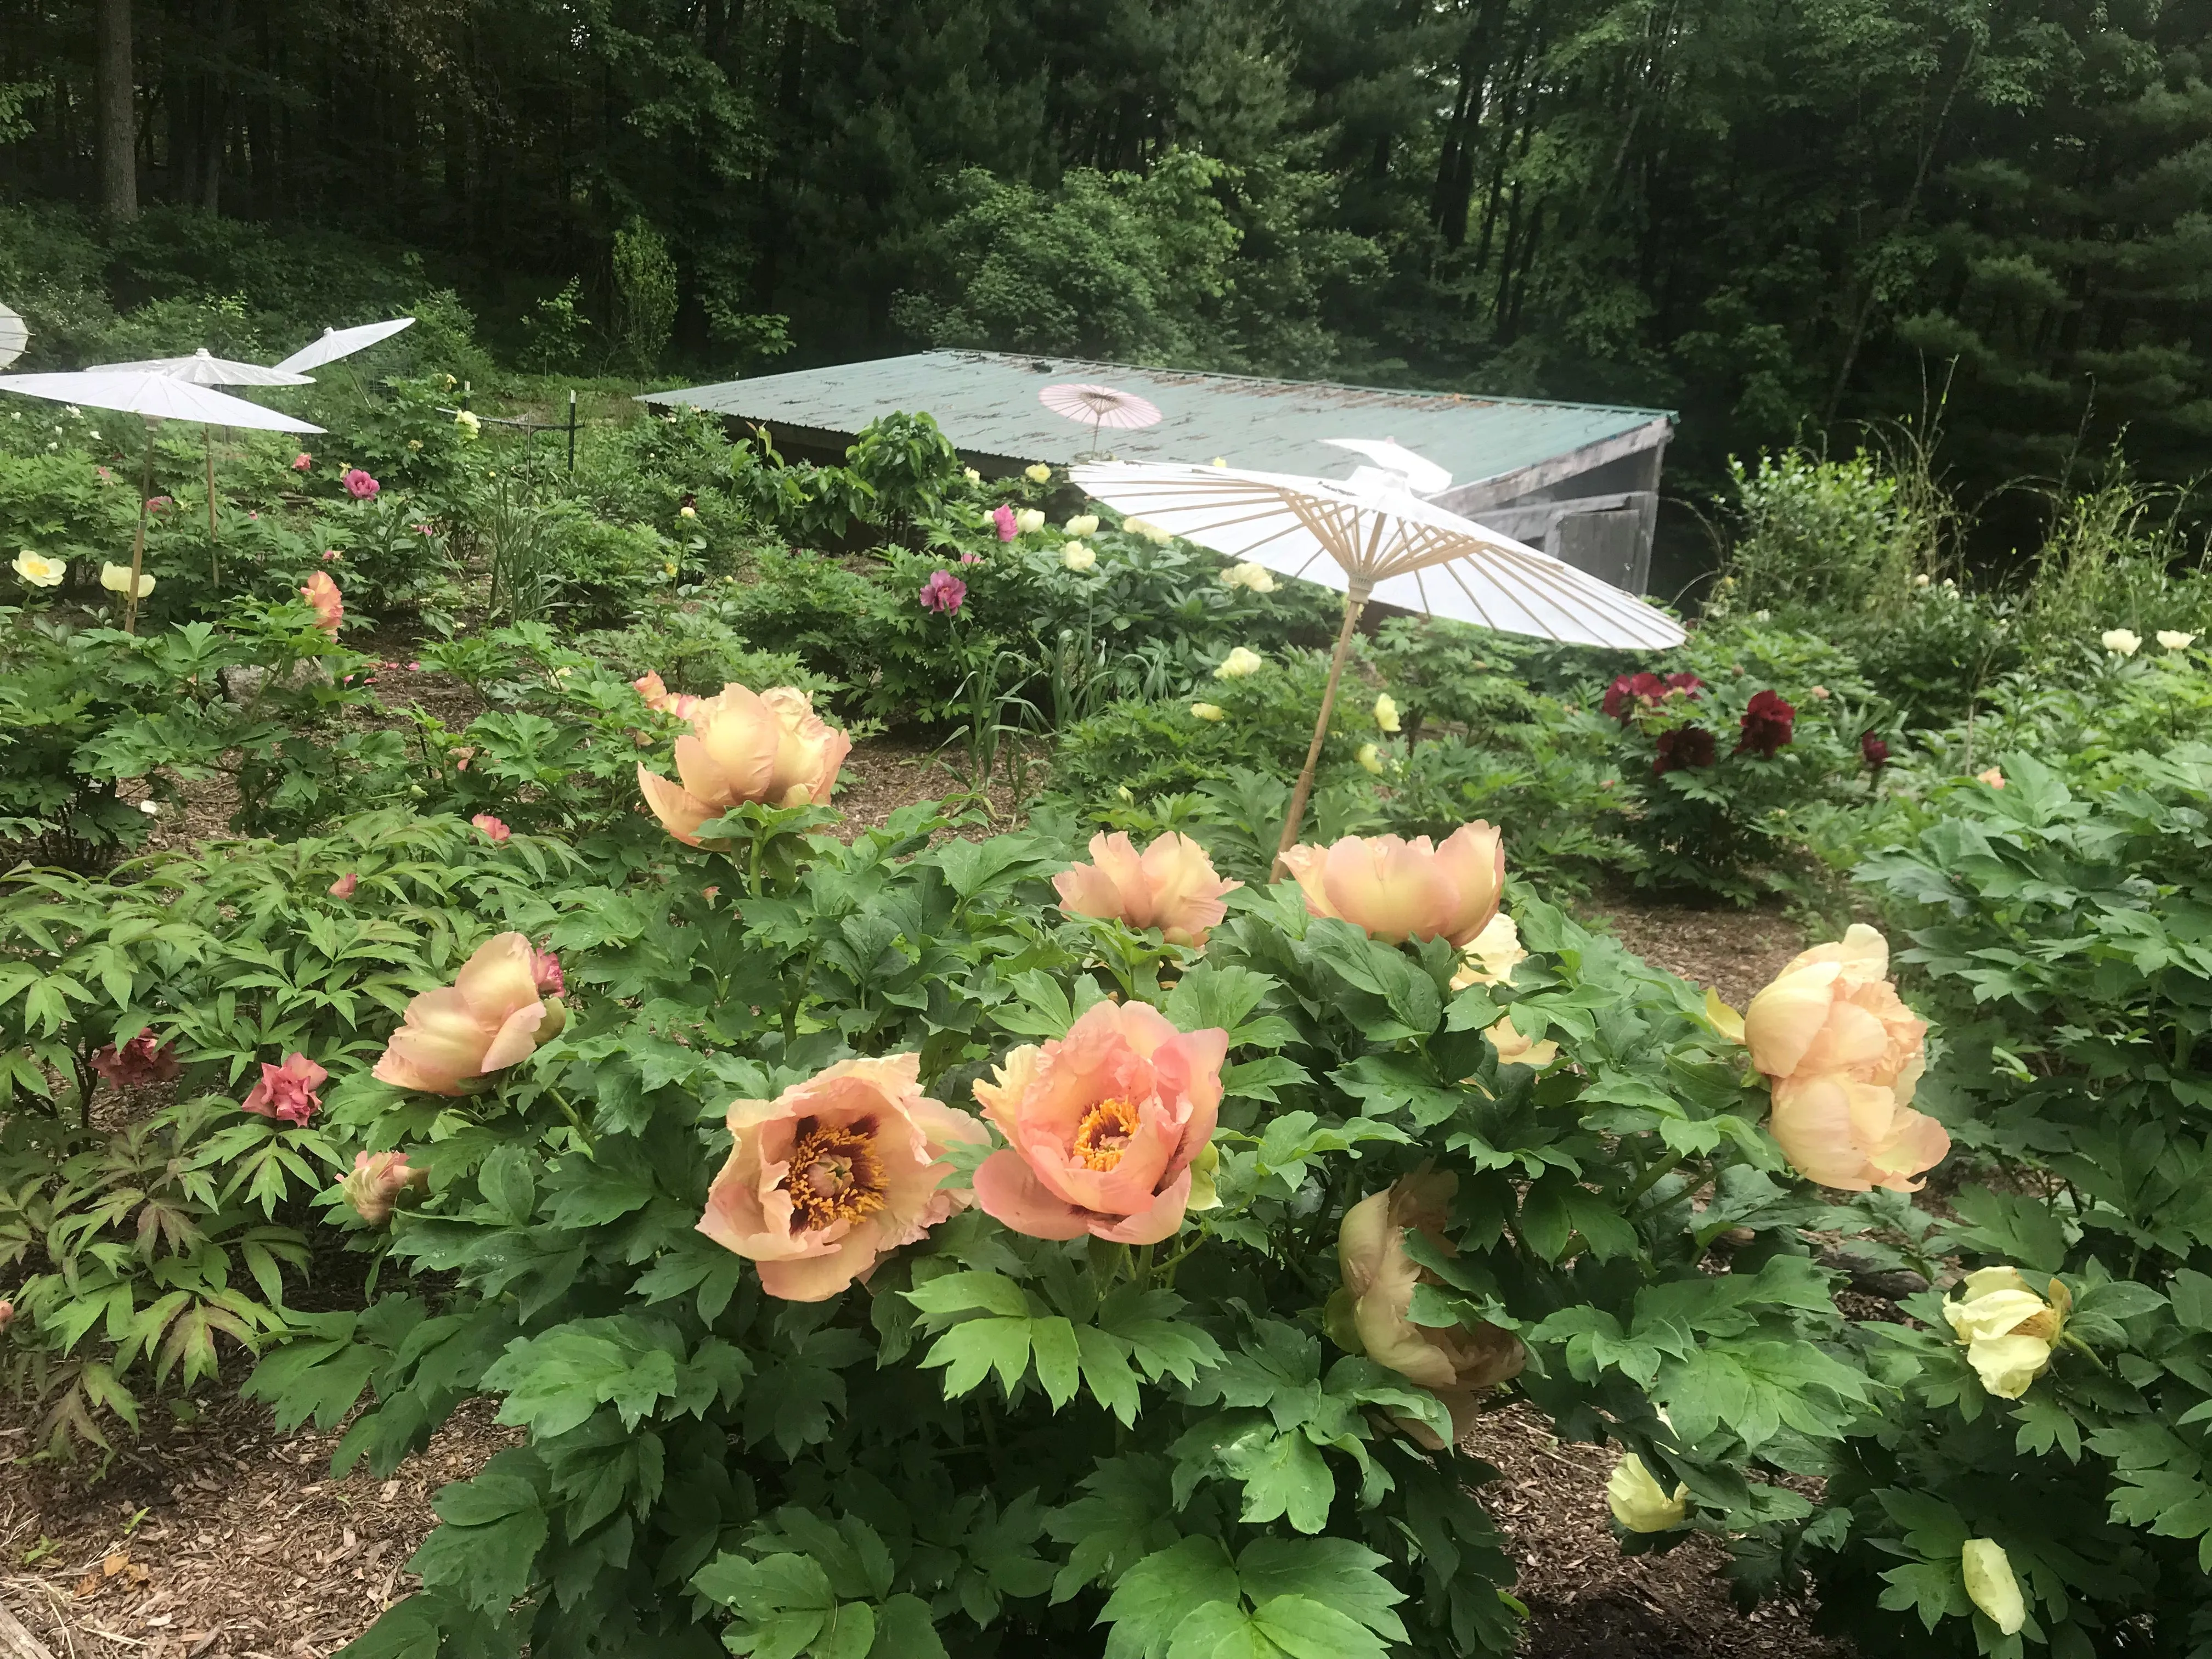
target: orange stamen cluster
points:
(835, 1175)
(1104, 1134)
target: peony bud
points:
(1207, 711)
(377, 1180)
(342, 887)
(1991, 1585)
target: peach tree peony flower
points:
(494, 1014)
(377, 1180)
(287, 1092)
(1842, 1055)
(344, 887)
(1993, 777)
(1369, 1315)
(2008, 1331)
(833, 1174)
(322, 593)
(494, 830)
(1101, 1127)
(943, 592)
(1172, 886)
(744, 746)
(302, 461)
(1399, 890)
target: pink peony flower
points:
(971, 558)
(160, 504)
(287, 1092)
(329, 604)
(377, 1180)
(545, 973)
(105, 477)
(1172, 887)
(493, 1015)
(139, 1061)
(302, 461)
(330, 553)
(943, 592)
(1101, 1127)
(494, 830)
(342, 887)
(744, 746)
(1003, 516)
(1400, 889)
(834, 1173)
(359, 485)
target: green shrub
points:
(1836, 537)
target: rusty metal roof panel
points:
(986, 403)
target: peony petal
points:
(818, 1278)
(1308, 866)
(516, 1039)
(499, 978)
(680, 811)
(1392, 888)
(1785, 1019)
(1473, 857)
(1085, 890)
(1009, 1193)
(1812, 1121)
(1162, 1219)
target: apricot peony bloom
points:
(1842, 1055)
(2008, 1330)
(1640, 1503)
(1993, 777)
(1101, 1127)
(1369, 1315)
(321, 592)
(494, 830)
(344, 887)
(1172, 886)
(833, 1174)
(287, 1092)
(1400, 889)
(769, 746)
(657, 696)
(1991, 1586)
(377, 1180)
(494, 1014)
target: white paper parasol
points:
(203, 368)
(14, 336)
(1372, 537)
(1101, 405)
(1422, 475)
(338, 343)
(159, 397)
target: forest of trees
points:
(1775, 216)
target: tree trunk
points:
(115, 93)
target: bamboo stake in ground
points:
(138, 545)
(1355, 601)
(214, 569)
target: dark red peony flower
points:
(1686, 746)
(1688, 683)
(1768, 723)
(1624, 694)
(1876, 750)
(139, 1061)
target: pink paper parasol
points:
(1101, 405)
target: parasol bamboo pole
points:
(1355, 601)
(214, 570)
(138, 545)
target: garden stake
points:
(1355, 601)
(138, 544)
(214, 569)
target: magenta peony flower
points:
(302, 461)
(1768, 723)
(1003, 516)
(359, 485)
(943, 592)
(1686, 746)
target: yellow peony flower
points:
(1206, 711)
(1027, 520)
(2173, 640)
(1038, 473)
(1256, 577)
(1239, 663)
(687, 511)
(1076, 555)
(1220, 461)
(38, 570)
(2121, 642)
(1991, 1585)
(1514, 1049)
(1151, 532)
(1372, 758)
(116, 579)
(469, 426)
(1637, 1502)
(971, 475)
(1386, 712)
(1491, 955)
(1083, 524)
(2008, 1329)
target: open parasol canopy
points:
(1371, 537)
(14, 336)
(1101, 405)
(203, 368)
(158, 396)
(337, 342)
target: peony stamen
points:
(1104, 1135)
(835, 1175)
